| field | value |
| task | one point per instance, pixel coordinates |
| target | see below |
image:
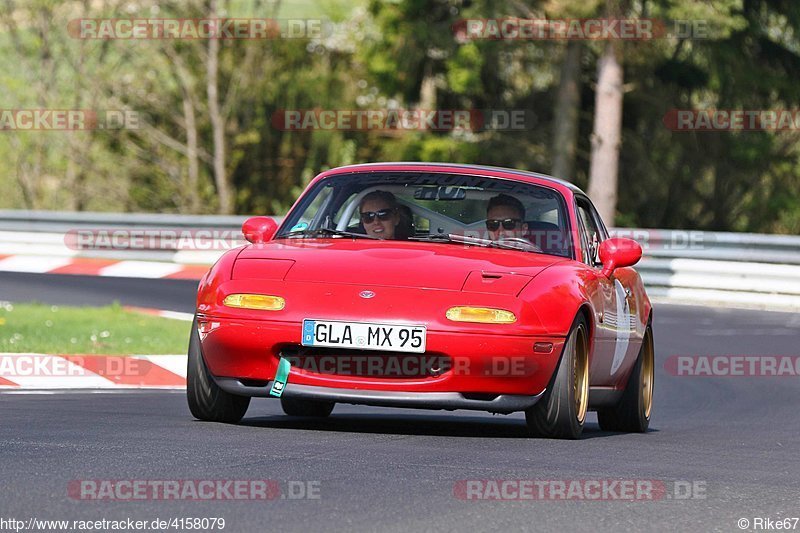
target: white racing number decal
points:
(622, 325)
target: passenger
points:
(505, 218)
(380, 214)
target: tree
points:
(607, 133)
(568, 103)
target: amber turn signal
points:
(255, 301)
(483, 315)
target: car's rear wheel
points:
(561, 412)
(206, 400)
(632, 413)
(294, 407)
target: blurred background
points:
(206, 143)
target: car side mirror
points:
(259, 229)
(619, 252)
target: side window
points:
(592, 234)
(598, 222)
(313, 214)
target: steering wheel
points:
(521, 243)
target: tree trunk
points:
(217, 122)
(565, 134)
(79, 145)
(427, 90)
(191, 154)
(607, 134)
(191, 197)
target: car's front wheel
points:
(293, 407)
(561, 412)
(206, 400)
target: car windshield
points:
(438, 207)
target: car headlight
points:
(255, 301)
(484, 315)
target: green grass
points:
(39, 328)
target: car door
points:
(616, 333)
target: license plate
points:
(364, 335)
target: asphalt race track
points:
(735, 440)
(63, 289)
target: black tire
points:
(206, 400)
(561, 412)
(293, 407)
(632, 413)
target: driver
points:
(379, 214)
(505, 218)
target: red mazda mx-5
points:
(436, 286)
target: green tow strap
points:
(281, 378)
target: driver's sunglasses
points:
(493, 224)
(368, 217)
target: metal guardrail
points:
(61, 221)
(683, 265)
(747, 269)
(717, 246)
(44, 233)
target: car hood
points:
(392, 263)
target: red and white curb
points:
(175, 315)
(100, 267)
(31, 371)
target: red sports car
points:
(436, 286)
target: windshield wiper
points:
(516, 244)
(326, 231)
(449, 237)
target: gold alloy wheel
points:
(581, 373)
(648, 369)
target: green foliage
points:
(405, 54)
(463, 72)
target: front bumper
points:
(243, 355)
(450, 401)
